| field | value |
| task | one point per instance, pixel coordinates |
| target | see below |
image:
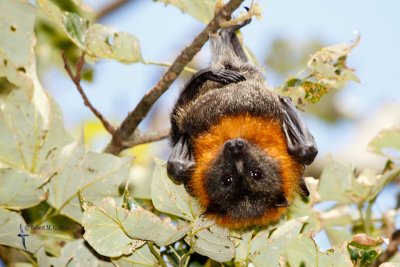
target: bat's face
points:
(244, 175)
(243, 182)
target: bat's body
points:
(239, 147)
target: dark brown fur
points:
(233, 130)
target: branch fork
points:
(128, 134)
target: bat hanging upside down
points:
(238, 146)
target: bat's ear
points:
(180, 163)
(301, 143)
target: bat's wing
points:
(180, 162)
(20, 228)
(301, 143)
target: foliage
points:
(47, 173)
(326, 70)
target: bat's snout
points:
(235, 146)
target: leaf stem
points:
(156, 254)
(186, 257)
(368, 216)
(362, 218)
(45, 217)
(175, 252)
(28, 257)
(168, 64)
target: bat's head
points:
(245, 180)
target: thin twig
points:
(131, 122)
(110, 8)
(139, 138)
(76, 79)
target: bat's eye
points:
(227, 179)
(256, 174)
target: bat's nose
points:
(235, 146)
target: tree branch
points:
(110, 8)
(76, 79)
(131, 122)
(139, 138)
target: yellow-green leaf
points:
(114, 231)
(20, 190)
(10, 223)
(387, 143)
(171, 198)
(79, 170)
(200, 10)
(98, 41)
(211, 240)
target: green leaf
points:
(329, 63)
(75, 27)
(140, 180)
(104, 232)
(16, 60)
(336, 235)
(308, 91)
(340, 215)
(380, 182)
(387, 143)
(79, 170)
(10, 228)
(303, 251)
(336, 179)
(96, 40)
(75, 253)
(267, 247)
(208, 239)
(141, 257)
(326, 71)
(171, 198)
(20, 190)
(300, 208)
(294, 82)
(102, 42)
(364, 249)
(338, 183)
(113, 231)
(200, 10)
(242, 245)
(296, 93)
(31, 130)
